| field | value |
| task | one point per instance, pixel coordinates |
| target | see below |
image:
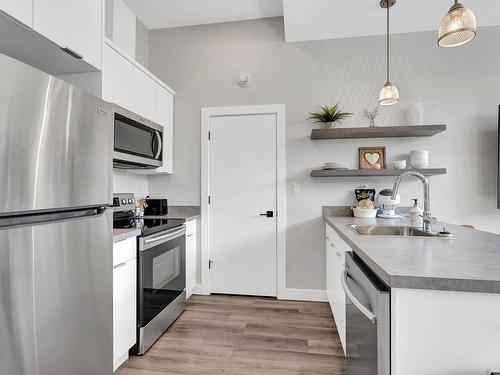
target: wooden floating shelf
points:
(378, 132)
(375, 172)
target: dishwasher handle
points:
(364, 310)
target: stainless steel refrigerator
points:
(55, 228)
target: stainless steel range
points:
(161, 274)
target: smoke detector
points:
(243, 80)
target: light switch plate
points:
(295, 189)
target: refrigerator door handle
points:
(49, 217)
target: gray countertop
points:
(123, 234)
(469, 262)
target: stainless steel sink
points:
(381, 230)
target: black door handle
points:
(268, 214)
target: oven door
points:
(162, 272)
(138, 143)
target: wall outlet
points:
(295, 189)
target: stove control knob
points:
(130, 201)
(124, 201)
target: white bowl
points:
(420, 163)
(399, 164)
(366, 213)
(419, 154)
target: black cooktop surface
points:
(147, 225)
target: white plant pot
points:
(328, 125)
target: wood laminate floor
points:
(245, 335)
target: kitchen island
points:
(444, 294)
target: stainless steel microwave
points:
(138, 142)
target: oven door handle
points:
(356, 302)
(150, 242)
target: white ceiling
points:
(158, 14)
(311, 19)
(330, 19)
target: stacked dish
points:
(419, 159)
(335, 165)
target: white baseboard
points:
(306, 295)
(120, 361)
(290, 294)
(199, 290)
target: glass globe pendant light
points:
(389, 94)
(457, 27)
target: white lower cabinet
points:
(124, 299)
(335, 260)
(191, 256)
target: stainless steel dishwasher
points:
(368, 314)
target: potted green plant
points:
(329, 115)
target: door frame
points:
(206, 115)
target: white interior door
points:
(242, 187)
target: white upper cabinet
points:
(117, 78)
(127, 83)
(165, 117)
(74, 25)
(144, 93)
(21, 10)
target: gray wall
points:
(460, 87)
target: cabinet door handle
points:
(72, 53)
(120, 265)
(332, 244)
(190, 235)
(338, 253)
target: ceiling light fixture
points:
(389, 94)
(457, 27)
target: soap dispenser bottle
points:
(415, 214)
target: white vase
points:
(328, 125)
(415, 114)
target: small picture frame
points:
(372, 158)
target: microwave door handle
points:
(356, 302)
(158, 151)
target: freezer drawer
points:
(56, 298)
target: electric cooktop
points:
(148, 226)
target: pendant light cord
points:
(388, 41)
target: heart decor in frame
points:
(372, 158)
